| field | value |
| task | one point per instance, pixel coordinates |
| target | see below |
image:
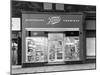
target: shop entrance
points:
(63, 46)
(55, 47)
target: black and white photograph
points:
(52, 37)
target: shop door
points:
(71, 46)
(55, 47)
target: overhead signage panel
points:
(51, 20)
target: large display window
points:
(49, 47)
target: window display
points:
(36, 48)
(54, 48)
(71, 46)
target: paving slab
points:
(20, 70)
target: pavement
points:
(20, 70)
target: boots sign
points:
(52, 20)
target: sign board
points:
(52, 20)
(16, 24)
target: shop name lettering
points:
(57, 19)
(53, 20)
(71, 20)
(36, 20)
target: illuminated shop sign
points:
(57, 19)
(52, 20)
(52, 38)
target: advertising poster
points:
(16, 26)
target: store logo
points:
(53, 20)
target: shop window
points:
(44, 46)
(71, 46)
(90, 45)
(36, 47)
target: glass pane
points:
(71, 48)
(51, 52)
(36, 49)
(55, 46)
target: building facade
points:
(58, 32)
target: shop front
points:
(52, 38)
